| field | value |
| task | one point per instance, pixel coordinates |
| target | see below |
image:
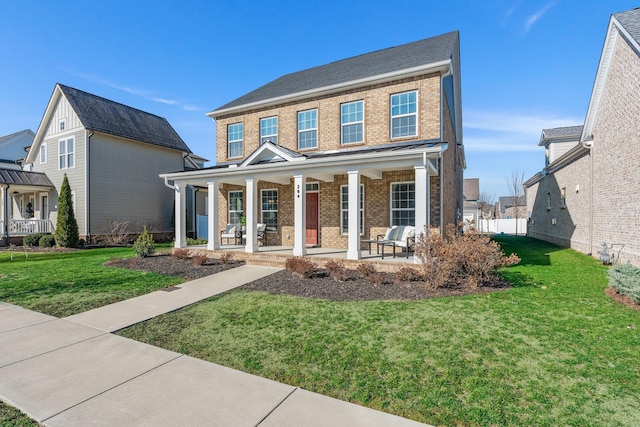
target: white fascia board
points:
(48, 112)
(353, 84)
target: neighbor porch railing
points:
(18, 227)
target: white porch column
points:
(353, 248)
(300, 215)
(180, 215)
(422, 199)
(213, 242)
(4, 219)
(251, 215)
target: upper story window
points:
(66, 153)
(352, 122)
(269, 130)
(43, 153)
(404, 114)
(62, 125)
(308, 129)
(235, 135)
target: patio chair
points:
(260, 231)
(230, 233)
(398, 236)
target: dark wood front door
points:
(312, 218)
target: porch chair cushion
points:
(229, 232)
(260, 230)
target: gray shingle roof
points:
(19, 177)
(105, 116)
(563, 131)
(418, 53)
(630, 20)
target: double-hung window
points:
(344, 209)
(404, 114)
(269, 209)
(308, 129)
(269, 130)
(43, 153)
(66, 153)
(403, 203)
(352, 122)
(236, 207)
(235, 135)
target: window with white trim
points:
(352, 122)
(344, 209)
(235, 135)
(308, 129)
(269, 209)
(236, 207)
(66, 153)
(403, 203)
(43, 153)
(62, 125)
(404, 114)
(269, 130)
(563, 198)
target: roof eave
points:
(440, 66)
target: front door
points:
(312, 218)
(44, 207)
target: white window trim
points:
(62, 125)
(312, 183)
(346, 232)
(352, 123)
(229, 141)
(262, 211)
(43, 153)
(307, 130)
(417, 114)
(66, 153)
(391, 209)
(264, 138)
(229, 210)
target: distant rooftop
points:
(561, 132)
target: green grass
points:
(65, 283)
(554, 350)
(11, 417)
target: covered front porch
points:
(24, 203)
(340, 173)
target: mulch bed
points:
(169, 266)
(621, 299)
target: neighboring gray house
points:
(13, 148)
(112, 155)
(589, 195)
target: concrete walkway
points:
(73, 372)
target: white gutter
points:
(380, 78)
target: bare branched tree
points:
(486, 206)
(515, 183)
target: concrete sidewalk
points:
(66, 373)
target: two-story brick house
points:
(370, 141)
(588, 192)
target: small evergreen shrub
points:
(337, 270)
(47, 241)
(625, 279)
(144, 245)
(180, 253)
(199, 241)
(66, 225)
(301, 267)
(32, 239)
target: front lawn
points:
(66, 283)
(554, 350)
(11, 417)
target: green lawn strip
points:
(66, 283)
(11, 417)
(553, 350)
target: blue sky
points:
(526, 65)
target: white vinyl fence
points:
(506, 226)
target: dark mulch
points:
(169, 266)
(612, 293)
(322, 286)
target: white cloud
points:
(531, 20)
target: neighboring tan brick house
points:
(588, 195)
(293, 153)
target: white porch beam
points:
(353, 247)
(180, 214)
(251, 215)
(321, 176)
(213, 193)
(422, 199)
(300, 215)
(372, 173)
(282, 180)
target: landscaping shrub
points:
(408, 274)
(199, 241)
(199, 260)
(467, 260)
(366, 270)
(47, 241)
(226, 257)
(337, 270)
(32, 239)
(144, 245)
(66, 225)
(116, 232)
(180, 253)
(625, 279)
(301, 267)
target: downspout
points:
(88, 188)
(442, 77)
(588, 143)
